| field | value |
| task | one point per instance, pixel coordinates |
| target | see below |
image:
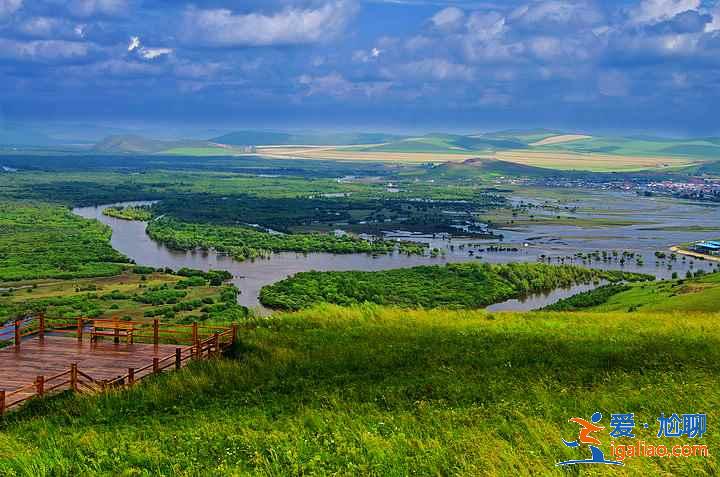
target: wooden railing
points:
(144, 332)
(216, 341)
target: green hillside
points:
(131, 144)
(708, 148)
(697, 294)
(449, 143)
(267, 138)
(383, 392)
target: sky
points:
(648, 66)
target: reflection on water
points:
(130, 239)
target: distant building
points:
(707, 247)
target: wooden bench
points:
(114, 329)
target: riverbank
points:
(250, 276)
(678, 249)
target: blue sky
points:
(636, 66)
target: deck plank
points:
(54, 354)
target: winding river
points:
(249, 276)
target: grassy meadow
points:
(388, 392)
(700, 294)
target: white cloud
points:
(582, 12)
(44, 51)
(134, 43)
(8, 7)
(147, 53)
(88, 8)
(363, 56)
(448, 19)
(486, 26)
(714, 25)
(152, 53)
(221, 27)
(653, 11)
(43, 27)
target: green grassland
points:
(48, 241)
(698, 294)
(385, 392)
(708, 148)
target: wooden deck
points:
(52, 355)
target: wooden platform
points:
(54, 354)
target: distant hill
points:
(265, 138)
(132, 144)
(438, 142)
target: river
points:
(250, 276)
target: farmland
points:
(561, 160)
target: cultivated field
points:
(340, 154)
(591, 162)
(545, 159)
(548, 141)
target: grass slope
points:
(383, 392)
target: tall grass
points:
(388, 392)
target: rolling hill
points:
(268, 138)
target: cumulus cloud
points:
(653, 11)
(134, 43)
(147, 53)
(222, 27)
(8, 7)
(448, 19)
(46, 51)
(89, 8)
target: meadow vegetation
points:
(245, 242)
(137, 295)
(48, 241)
(463, 285)
(386, 392)
(142, 213)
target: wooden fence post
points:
(178, 358)
(40, 385)
(194, 333)
(41, 332)
(2, 402)
(234, 333)
(18, 338)
(116, 338)
(79, 330)
(131, 376)
(74, 377)
(156, 365)
(216, 343)
(156, 332)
